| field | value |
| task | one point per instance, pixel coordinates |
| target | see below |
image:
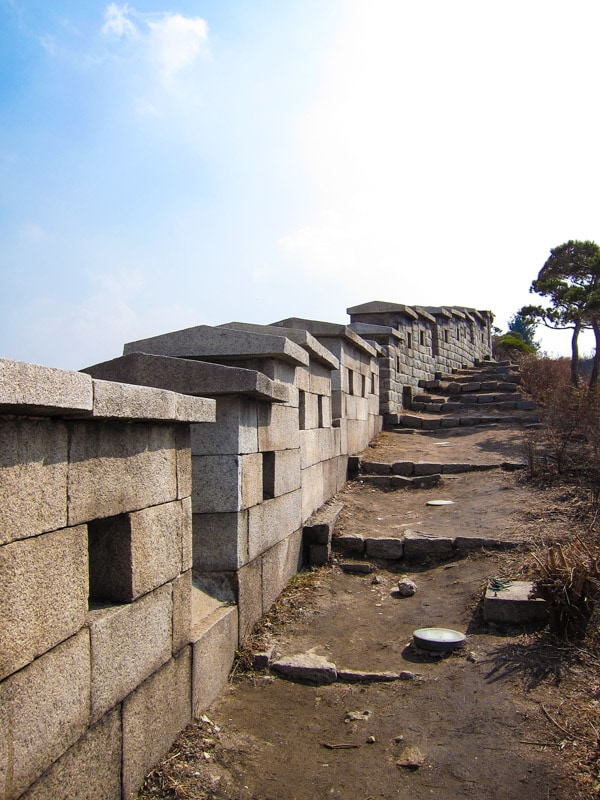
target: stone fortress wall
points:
(152, 510)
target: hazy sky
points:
(180, 162)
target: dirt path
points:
(479, 717)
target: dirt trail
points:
(479, 716)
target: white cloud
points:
(176, 42)
(117, 23)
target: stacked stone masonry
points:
(152, 510)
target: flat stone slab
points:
(359, 676)
(306, 668)
(419, 546)
(386, 547)
(356, 567)
(514, 605)
(351, 544)
(187, 376)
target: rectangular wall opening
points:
(302, 409)
(110, 560)
(268, 475)
(321, 411)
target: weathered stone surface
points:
(297, 335)
(425, 481)
(131, 554)
(419, 546)
(249, 596)
(119, 400)
(234, 431)
(350, 544)
(117, 467)
(182, 611)
(375, 468)
(281, 472)
(449, 469)
(306, 668)
(220, 344)
(32, 389)
(514, 605)
(386, 547)
(272, 521)
(400, 482)
(153, 715)
(188, 376)
(316, 445)
(128, 644)
(90, 770)
(405, 468)
(215, 640)
(220, 541)
(44, 594)
(279, 564)
(226, 483)
(46, 705)
(319, 554)
(426, 468)
(278, 427)
(357, 567)
(33, 477)
(319, 528)
(312, 489)
(360, 676)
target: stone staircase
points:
(481, 395)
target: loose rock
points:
(406, 587)
(411, 758)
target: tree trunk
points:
(596, 362)
(575, 355)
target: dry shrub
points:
(541, 377)
(568, 444)
(568, 578)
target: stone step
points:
(420, 468)
(413, 545)
(433, 422)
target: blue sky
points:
(174, 163)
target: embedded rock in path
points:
(360, 676)
(424, 545)
(406, 587)
(386, 547)
(306, 668)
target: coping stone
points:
(33, 389)
(220, 344)
(297, 335)
(188, 376)
(122, 401)
(326, 330)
